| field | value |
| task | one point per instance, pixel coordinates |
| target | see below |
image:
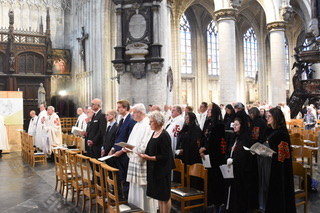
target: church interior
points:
(65, 53)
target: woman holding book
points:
(276, 186)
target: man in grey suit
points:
(110, 136)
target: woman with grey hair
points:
(159, 163)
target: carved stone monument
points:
(138, 57)
(138, 45)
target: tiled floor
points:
(26, 189)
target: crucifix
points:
(82, 41)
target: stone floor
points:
(26, 189)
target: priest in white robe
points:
(174, 126)
(32, 123)
(137, 169)
(81, 121)
(40, 133)
(53, 134)
(4, 144)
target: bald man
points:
(96, 130)
(32, 123)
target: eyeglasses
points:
(92, 104)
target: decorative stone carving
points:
(156, 66)
(286, 12)
(137, 50)
(314, 27)
(276, 25)
(138, 70)
(120, 68)
(235, 3)
(229, 13)
(57, 4)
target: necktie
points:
(120, 123)
(108, 129)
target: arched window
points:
(250, 53)
(287, 65)
(185, 46)
(213, 49)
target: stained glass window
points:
(185, 46)
(250, 53)
(213, 49)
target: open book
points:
(76, 131)
(260, 149)
(125, 145)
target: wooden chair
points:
(66, 177)
(70, 140)
(179, 170)
(300, 172)
(295, 135)
(78, 145)
(64, 139)
(295, 130)
(23, 145)
(297, 142)
(114, 206)
(304, 156)
(87, 186)
(187, 194)
(38, 157)
(76, 182)
(57, 168)
(99, 183)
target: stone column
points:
(229, 91)
(277, 62)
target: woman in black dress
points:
(276, 186)
(213, 144)
(159, 163)
(243, 189)
(189, 140)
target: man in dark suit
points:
(124, 129)
(97, 130)
(110, 136)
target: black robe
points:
(212, 139)
(280, 194)
(258, 128)
(244, 185)
(189, 140)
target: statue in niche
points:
(11, 62)
(41, 95)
